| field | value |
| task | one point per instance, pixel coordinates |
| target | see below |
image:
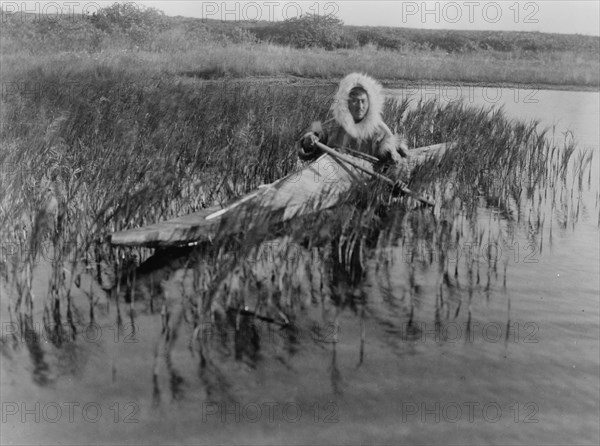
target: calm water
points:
(527, 371)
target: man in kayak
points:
(356, 124)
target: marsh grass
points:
(132, 148)
(239, 60)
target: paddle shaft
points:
(353, 163)
(362, 155)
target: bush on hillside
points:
(307, 31)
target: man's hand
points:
(399, 186)
(309, 140)
(308, 150)
(402, 147)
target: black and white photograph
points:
(300, 222)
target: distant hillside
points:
(150, 30)
(465, 41)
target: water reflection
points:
(37, 354)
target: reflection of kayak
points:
(315, 187)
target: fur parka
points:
(371, 135)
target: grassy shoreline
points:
(556, 69)
(403, 83)
(563, 71)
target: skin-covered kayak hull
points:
(315, 187)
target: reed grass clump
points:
(121, 148)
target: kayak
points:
(315, 187)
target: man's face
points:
(358, 105)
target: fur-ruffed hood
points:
(341, 113)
